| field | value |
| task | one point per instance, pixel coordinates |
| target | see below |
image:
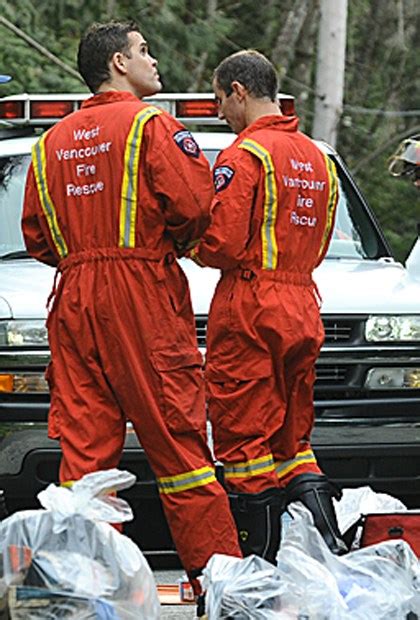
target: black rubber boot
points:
(257, 518)
(316, 493)
(201, 607)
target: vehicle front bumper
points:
(385, 457)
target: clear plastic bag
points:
(381, 582)
(242, 589)
(66, 561)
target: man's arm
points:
(34, 228)
(224, 244)
(181, 178)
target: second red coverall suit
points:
(113, 191)
(272, 218)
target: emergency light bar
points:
(44, 110)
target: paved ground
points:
(173, 612)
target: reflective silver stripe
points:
(253, 467)
(268, 227)
(47, 205)
(284, 467)
(188, 480)
(129, 188)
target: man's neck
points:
(260, 107)
(116, 85)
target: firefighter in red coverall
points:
(114, 191)
(272, 218)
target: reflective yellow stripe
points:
(129, 189)
(67, 484)
(189, 480)
(40, 169)
(332, 199)
(284, 467)
(253, 467)
(268, 228)
(194, 256)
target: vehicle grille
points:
(337, 330)
(331, 375)
(201, 329)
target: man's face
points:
(142, 70)
(230, 108)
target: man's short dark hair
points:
(97, 47)
(252, 69)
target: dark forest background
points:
(190, 37)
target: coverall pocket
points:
(246, 369)
(177, 290)
(182, 393)
(240, 403)
(53, 414)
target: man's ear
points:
(239, 90)
(118, 63)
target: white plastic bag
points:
(242, 589)
(66, 561)
(380, 582)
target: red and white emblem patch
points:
(186, 143)
(222, 176)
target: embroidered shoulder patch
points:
(222, 176)
(186, 143)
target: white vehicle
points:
(367, 393)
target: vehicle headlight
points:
(389, 378)
(31, 332)
(28, 382)
(385, 328)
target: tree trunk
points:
(330, 70)
(199, 69)
(285, 45)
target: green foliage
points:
(381, 74)
(190, 37)
(395, 202)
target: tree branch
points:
(18, 32)
(383, 146)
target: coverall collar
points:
(271, 121)
(110, 96)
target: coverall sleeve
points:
(225, 242)
(34, 227)
(181, 178)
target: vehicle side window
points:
(12, 186)
(354, 235)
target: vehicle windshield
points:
(354, 236)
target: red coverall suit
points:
(272, 218)
(113, 190)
